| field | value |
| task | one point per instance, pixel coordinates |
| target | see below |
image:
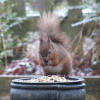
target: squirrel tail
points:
(49, 27)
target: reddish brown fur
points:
(53, 50)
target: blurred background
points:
(19, 40)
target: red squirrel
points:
(53, 54)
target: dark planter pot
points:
(74, 90)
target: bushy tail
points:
(49, 27)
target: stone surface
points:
(5, 97)
(93, 88)
(5, 85)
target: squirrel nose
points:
(46, 61)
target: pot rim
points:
(74, 80)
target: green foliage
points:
(8, 19)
